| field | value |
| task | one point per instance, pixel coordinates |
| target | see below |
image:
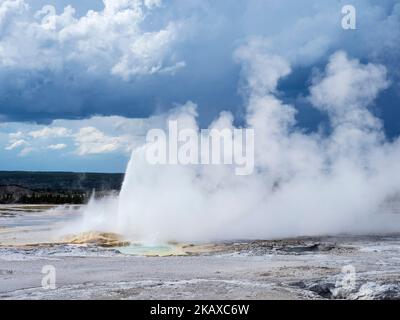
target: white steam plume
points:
(303, 184)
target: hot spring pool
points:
(151, 249)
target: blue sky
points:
(82, 81)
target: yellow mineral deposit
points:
(103, 239)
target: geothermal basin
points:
(97, 266)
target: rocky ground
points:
(331, 268)
(342, 267)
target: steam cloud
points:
(303, 184)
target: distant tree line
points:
(56, 187)
(44, 198)
(59, 182)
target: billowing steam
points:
(302, 184)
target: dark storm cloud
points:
(66, 64)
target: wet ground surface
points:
(340, 267)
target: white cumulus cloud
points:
(58, 146)
(16, 144)
(50, 132)
(96, 135)
(111, 40)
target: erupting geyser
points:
(302, 184)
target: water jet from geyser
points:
(303, 183)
